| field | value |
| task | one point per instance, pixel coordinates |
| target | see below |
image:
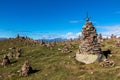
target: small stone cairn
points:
(107, 63)
(65, 49)
(18, 54)
(113, 37)
(26, 69)
(5, 60)
(100, 39)
(10, 55)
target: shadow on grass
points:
(35, 71)
(12, 62)
(106, 53)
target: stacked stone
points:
(113, 37)
(5, 60)
(10, 55)
(18, 54)
(43, 43)
(118, 43)
(100, 39)
(65, 49)
(26, 69)
(89, 43)
(107, 63)
(89, 48)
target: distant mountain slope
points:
(3, 38)
(51, 40)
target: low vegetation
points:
(51, 64)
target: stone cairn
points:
(42, 43)
(18, 54)
(113, 37)
(118, 43)
(107, 63)
(65, 49)
(10, 55)
(26, 69)
(100, 38)
(90, 43)
(5, 60)
(89, 49)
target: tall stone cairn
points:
(89, 49)
(89, 43)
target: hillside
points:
(52, 64)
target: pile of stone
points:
(18, 54)
(89, 44)
(10, 55)
(100, 39)
(42, 43)
(79, 38)
(70, 46)
(26, 69)
(50, 45)
(5, 60)
(70, 39)
(107, 63)
(113, 37)
(118, 42)
(65, 49)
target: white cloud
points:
(75, 21)
(108, 30)
(52, 36)
(71, 35)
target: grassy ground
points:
(54, 65)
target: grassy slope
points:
(53, 65)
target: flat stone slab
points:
(88, 58)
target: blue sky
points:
(57, 18)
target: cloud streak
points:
(75, 21)
(108, 30)
(71, 35)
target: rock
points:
(46, 75)
(88, 58)
(91, 72)
(59, 49)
